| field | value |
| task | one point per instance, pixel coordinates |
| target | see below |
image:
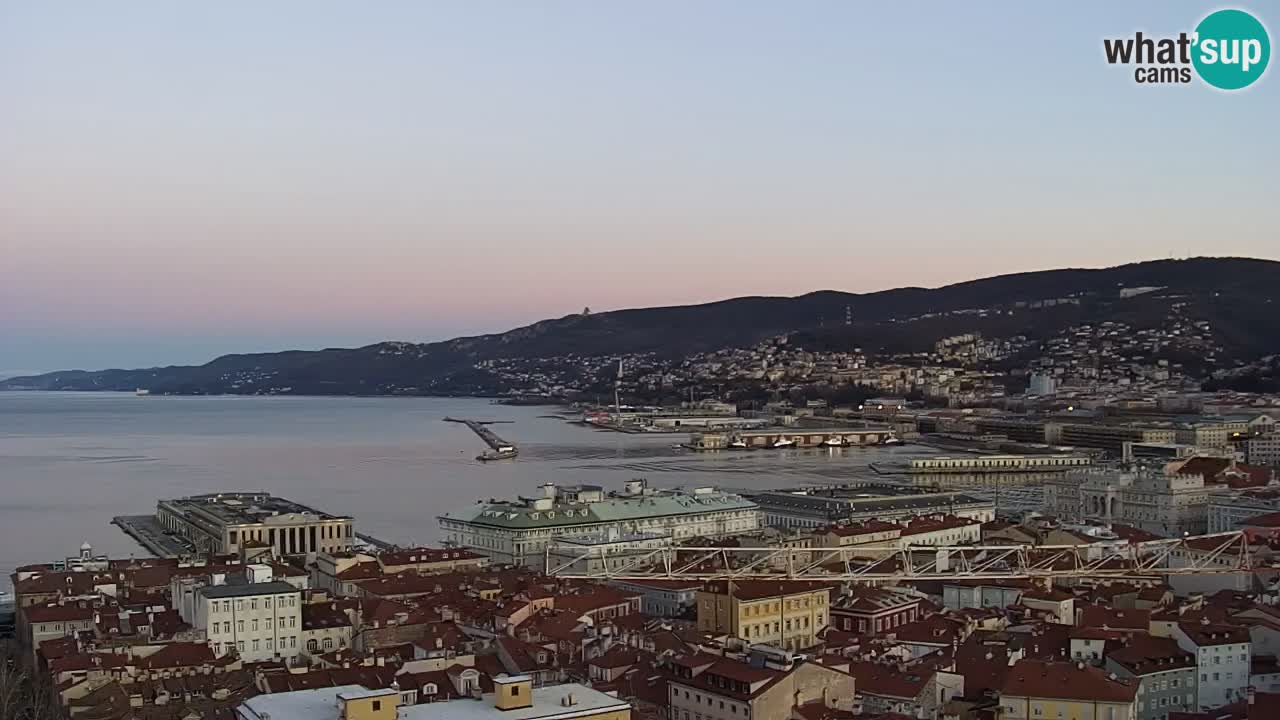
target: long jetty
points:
(479, 428)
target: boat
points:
(738, 445)
(833, 442)
(893, 441)
(784, 443)
(141, 391)
(504, 452)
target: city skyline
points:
(183, 184)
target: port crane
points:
(1195, 555)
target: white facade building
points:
(260, 619)
(1222, 655)
(1165, 503)
(520, 531)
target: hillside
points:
(1235, 295)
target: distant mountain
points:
(1238, 296)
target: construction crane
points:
(1196, 555)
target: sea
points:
(70, 462)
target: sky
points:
(183, 180)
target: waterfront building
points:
(820, 507)
(520, 531)
(997, 463)
(256, 616)
(1107, 436)
(223, 523)
(1167, 503)
(787, 615)
(1019, 429)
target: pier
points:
(151, 535)
(500, 447)
(380, 544)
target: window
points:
(239, 626)
(377, 705)
(255, 645)
(267, 603)
(515, 691)
(254, 624)
(328, 643)
(269, 643)
(253, 604)
(240, 645)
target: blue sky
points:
(182, 180)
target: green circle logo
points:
(1232, 49)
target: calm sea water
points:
(69, 462)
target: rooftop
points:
(244, 508)
(547, 702)
(567, 511)
(275, 587)
(1065, 681)
(299, 704)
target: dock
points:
(151, 535)
(501, 447)
(380, 544)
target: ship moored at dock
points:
(780, 438)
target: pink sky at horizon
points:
(230, 177)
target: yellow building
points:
(1039, 690)
(786, 614)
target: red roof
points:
(1268, 520)
(1107, 618)
(890, 681)
(1065, 681)
(57, 613)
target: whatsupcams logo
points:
(1229, 50)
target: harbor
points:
(781, 438)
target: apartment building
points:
(1164, 672)
(872, 611)
(714, 688)
(1222, 655)
(787, 615)
(1040, 690)
(255, 616)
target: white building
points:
(1222, 655)
(257, 617)
(1042, 384)
(520, 531)
(1165, 503)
